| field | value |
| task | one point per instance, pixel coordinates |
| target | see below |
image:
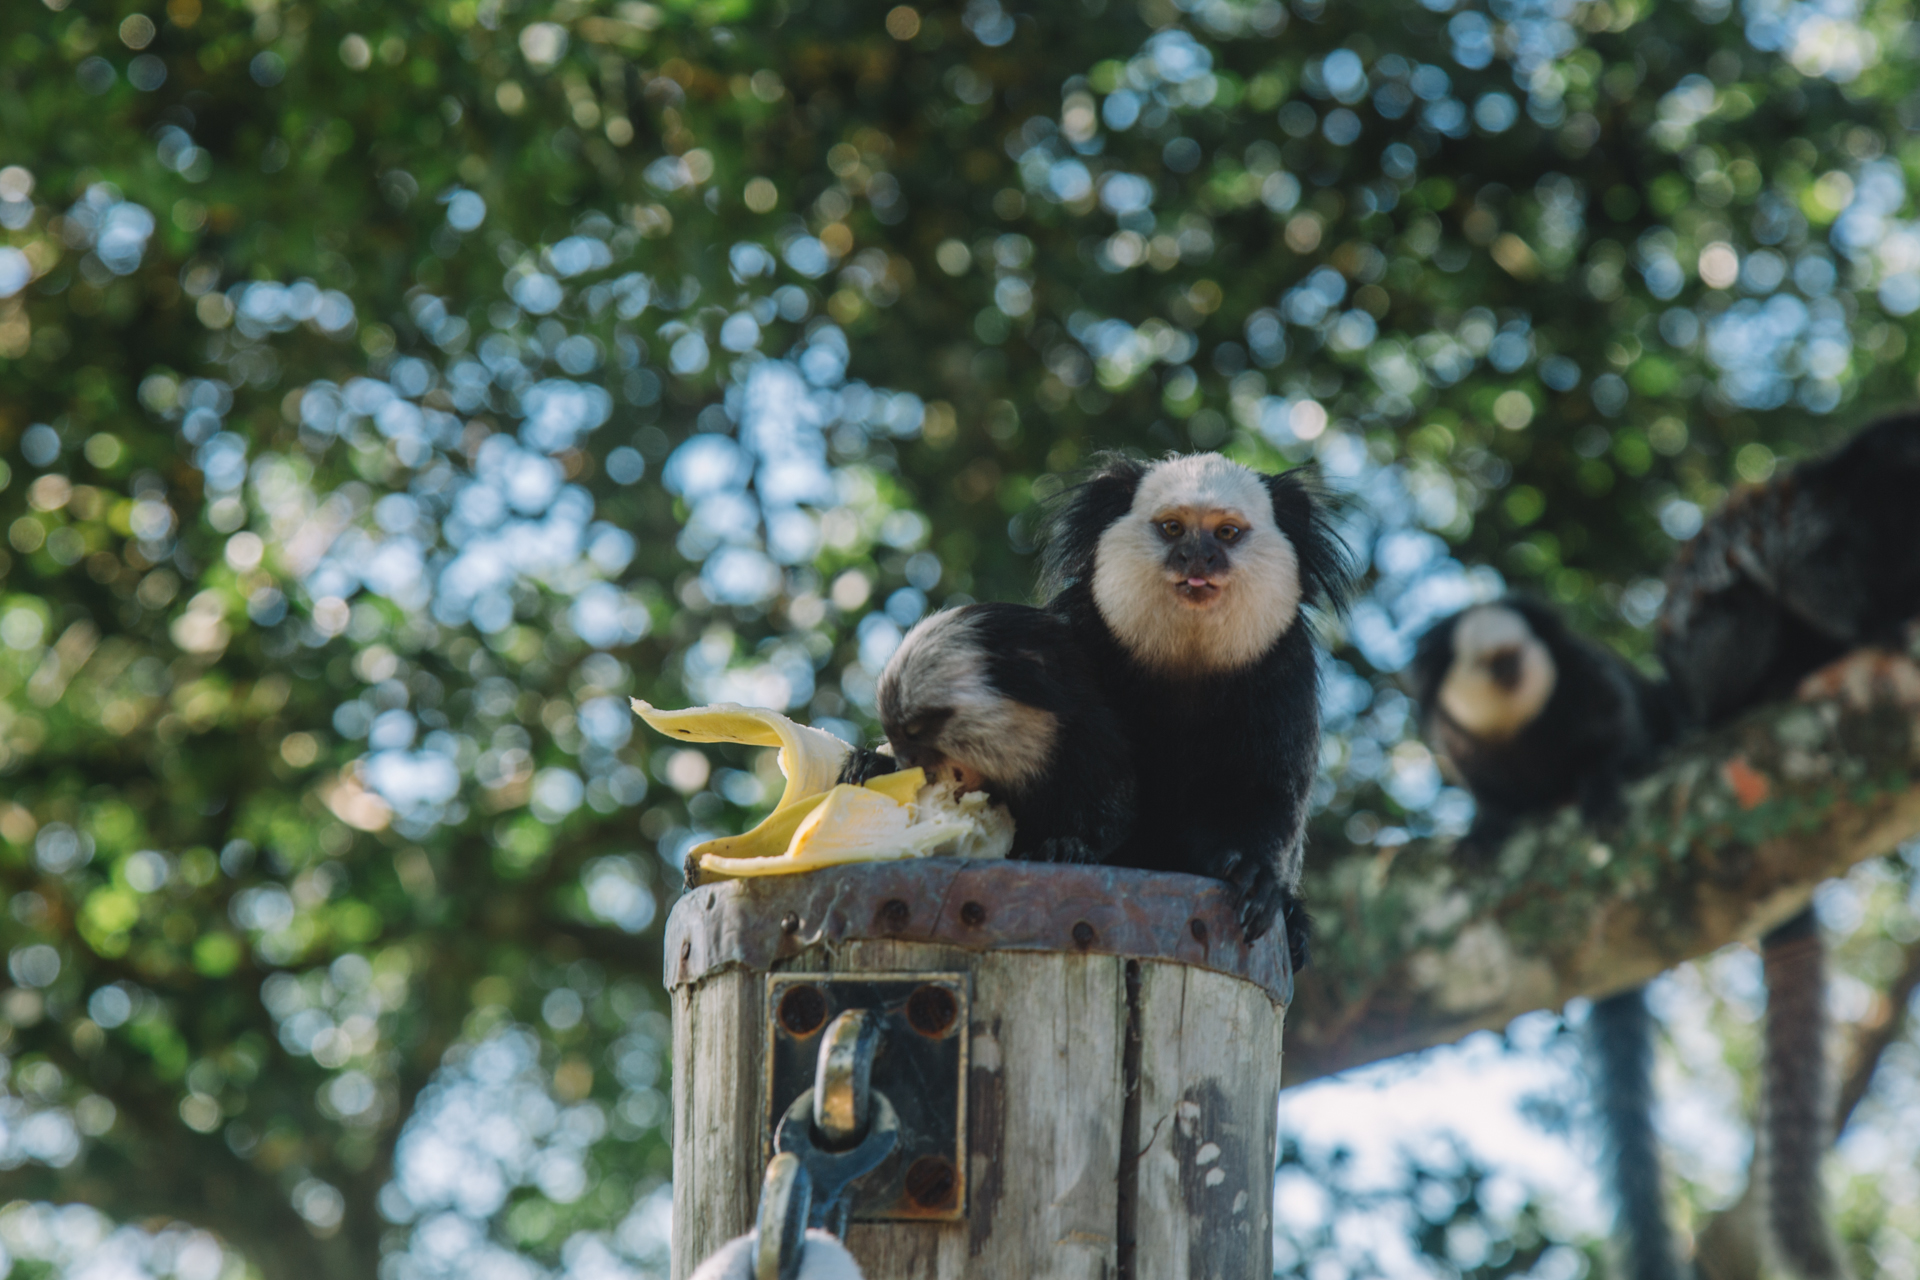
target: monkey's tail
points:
(1620, 1050)
(1798, 1111)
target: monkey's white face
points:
(1501, 677)
(943, 714)
(1196, 577)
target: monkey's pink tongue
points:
(1197, 582)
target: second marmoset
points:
(1532, 716)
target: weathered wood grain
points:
(1209, 1089)
(718, 1082)
(1047, 1095)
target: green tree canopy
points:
(388, 392)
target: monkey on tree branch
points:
(1790, 575)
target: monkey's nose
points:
(1202, 558)
(1504, 667)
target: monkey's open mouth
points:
(967, 776)
(1197, 590)
(941, 767)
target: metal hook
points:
(832, 1172)
(843, 1077)
(841, 1129)
(786, 1199)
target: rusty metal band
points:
(978, 906)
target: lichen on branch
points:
(1729, 838)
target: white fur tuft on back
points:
(941, 669)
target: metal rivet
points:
(931, 1182)
(1083, 934)
(973, 915)
(802, 1010)
(894, 914)
(931, 1009)
(1198, 928)
(790, 923)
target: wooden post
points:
(1122, 1063)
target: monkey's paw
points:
(1293, 914)
(1479, 849)
(1257, 893)
(1070, 849)
(1604, 807)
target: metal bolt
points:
(931, 1182)
(894, 914)
(1198, 928)
(1083, 934)
(931, 1010)
(973, 915)
(802, 1010)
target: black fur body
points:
(1227, 758)
(1233, 813)
(1789, 576)
(1794, 573)
(970, 686)
(1603, 724)
(1600, 723)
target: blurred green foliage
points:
(388, 392)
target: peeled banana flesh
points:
(820, 822)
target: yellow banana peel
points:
(899, 787)
(769, 839)
(820, 822)
(865, 824)
(774, 835)
(810, 759)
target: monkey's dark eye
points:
(1227, 532)
(926, 727)
(1172, 528)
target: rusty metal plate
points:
(980, 906)
(921, 1067)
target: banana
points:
(774, 835)
(820, 822)
(864, 824)
(770, 839)
(899, 787)
(810, 759)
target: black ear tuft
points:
(1545, 621)
(1432, 659)
(1071, 524)
(1304, 511)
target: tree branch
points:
(1727, 840)
(1884, 1024)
